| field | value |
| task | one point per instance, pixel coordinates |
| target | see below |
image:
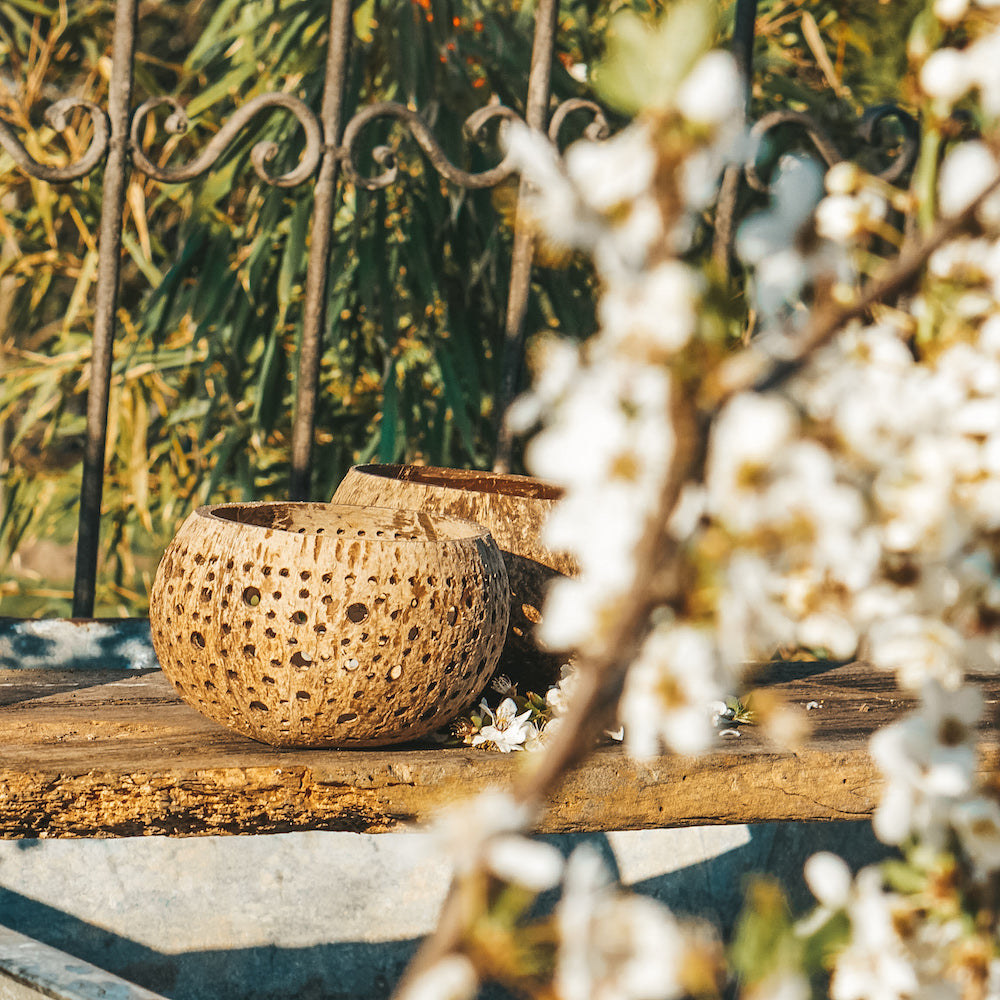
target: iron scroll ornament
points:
(177, 123)
(262, 153)
(870, 129)
(474, 127)
(57, 115)
(597, 131)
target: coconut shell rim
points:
(471, 530)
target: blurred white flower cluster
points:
(606, 943)
(607, 434)
(930, 764)
(895, 946)
(857, 504)
(848, 505)
(863, 504)
(615, 945)
(949, 73)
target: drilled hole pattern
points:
(376, 629)
(514, 510)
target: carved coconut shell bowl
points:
(513, 509)
(326, 625)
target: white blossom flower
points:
(574, 610)
(966, 173)
(977, 825)
(929, 761)
(614, 173)
(945, 75)
(830, 631)
(984, 70)
(712, 93)
(919, 649)
(539, 737)
(532, 864)
(914, 494)
(751, 617)
(655, 312)
(674, 677)
(452, 977)
(506, 730)
(862, 384)
(553, 201)
(829, 880)
(950, 11)
(463, 832)
(559, 696)
(764, 486)
(875, 965)
(844, 217)
(597, 198)
(749, 435)
(557, 369)
(613, 945)
(844, 177)
(608, 442)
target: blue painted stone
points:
(76, 644)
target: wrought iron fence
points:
(331, 149)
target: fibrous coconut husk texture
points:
(513, 509)
(325, 625)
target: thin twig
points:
(830, 319)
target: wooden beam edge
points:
(610, 792)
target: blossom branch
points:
(778, 544)
(830, 318)
(658, 579)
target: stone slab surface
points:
(336, 916)
(32, 970)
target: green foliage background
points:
(214, 271)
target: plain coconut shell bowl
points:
(513, 509)
(329, 625)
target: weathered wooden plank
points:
(94, 753)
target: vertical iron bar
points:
(536, 115)
(8, 286)
(725, 211)
(743, 38)
(109, 267)
(314, 317)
